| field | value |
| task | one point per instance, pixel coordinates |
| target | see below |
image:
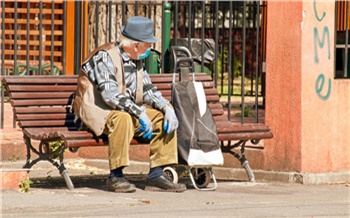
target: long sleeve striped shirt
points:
(100, 70)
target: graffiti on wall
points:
(320, 85)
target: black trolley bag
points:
(197, 139)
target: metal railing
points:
(33, 36)
(237, 30)
(32, 39)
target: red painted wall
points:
(283, 91)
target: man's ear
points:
(136, 46)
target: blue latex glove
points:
(146, 125)
(170, 120)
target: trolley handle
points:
(182, 59)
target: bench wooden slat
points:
(216, 112)
(66, 134)
(73, 143)
(43, 88)
(83, 143)
(22, 80)
(41, 110)
(41, 102)
(227, 126)
(206, 91)
(38, 95)
(209, 98)
(166, 78)
(50, 116)
(42, 123)
(245, 136)
(43, 133)
(167, 86)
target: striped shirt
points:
(100, 70)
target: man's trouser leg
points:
(121, 127)
(163, 147)
(120, 131)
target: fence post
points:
(166, 36)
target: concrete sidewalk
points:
(13, 149)
(50, 198)
(277, 194)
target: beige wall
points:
(310, 122)
(325, 100)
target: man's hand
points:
(170, 120)
(146, 125)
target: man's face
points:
(137, 49)
(142, 49)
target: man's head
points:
(137, 37)
(139, 29)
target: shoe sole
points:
(129, 190)
(156, 189)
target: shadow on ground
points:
(83, 181)
(98, 182)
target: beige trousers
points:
(121, 127)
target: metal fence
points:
(33, 34)
(226, 38)
(32, 39)
(232, 34)
(237, 30)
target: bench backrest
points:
(45, 101)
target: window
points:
(342, 44)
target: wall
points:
(307, 109)
(325, 100)
(283, 79)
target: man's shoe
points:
(120, 185)
(163, 185)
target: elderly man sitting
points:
(113, 88)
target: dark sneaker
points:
(163, 185)
(120, 185)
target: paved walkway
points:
(50, 198)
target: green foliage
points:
(94, 172)
(21, 69)
(25, 185)
(245, 111)
(14, 158)
(54, 146)
(222, 63)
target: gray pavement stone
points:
(232, 198)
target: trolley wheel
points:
(171, 174)
(201, 177)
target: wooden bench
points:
(42, 107)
